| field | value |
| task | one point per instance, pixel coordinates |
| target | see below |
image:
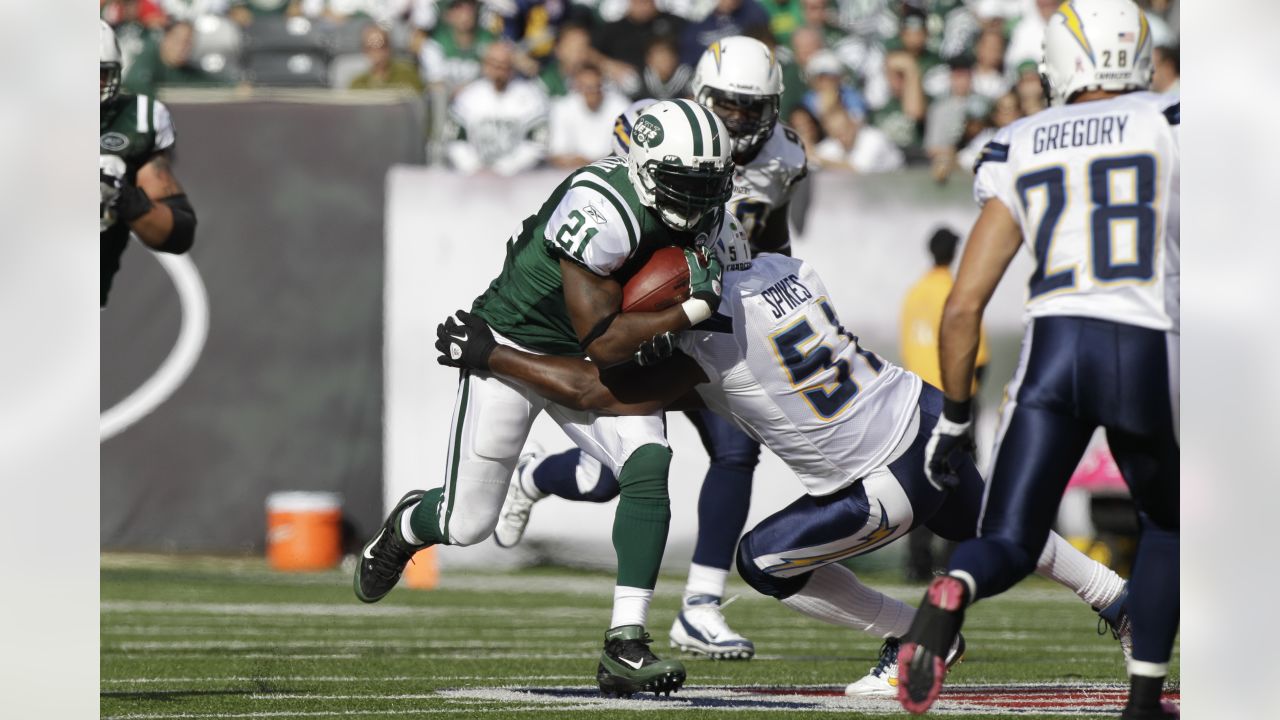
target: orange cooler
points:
(304, 530)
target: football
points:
(663, 281)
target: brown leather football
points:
(663, 281)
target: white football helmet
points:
(622, 126)
(1096, 45)
(109, 63)
(680, 164)
(739, 78)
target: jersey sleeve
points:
(162, 122)
(715, 352)
(795, 164)
(993, 177)
(592, 226)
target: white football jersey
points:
(1094, 186)
(769, 180)
(497, 123)
(785, 370)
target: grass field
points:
(217, 638)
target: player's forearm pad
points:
(183, 234)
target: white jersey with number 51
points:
(782, 367)
(1094, 186)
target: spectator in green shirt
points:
(913, 39)
(385, 71)
(168, 64)
(450, 56)
(784, 17)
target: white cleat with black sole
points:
(521, 495)
(882, 681)
(700, 628)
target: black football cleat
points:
(627, 667)
(384, 558)
(1166, 711)
(922, 659)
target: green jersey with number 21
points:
(594, 219)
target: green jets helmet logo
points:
(647, 131)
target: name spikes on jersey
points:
(784, 367)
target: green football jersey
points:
(133, 128)
(595, 219)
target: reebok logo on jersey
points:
(647, 132)
(594, 214)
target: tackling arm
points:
(608, 335)
(992, 244)
(581, 385)
(160, 215)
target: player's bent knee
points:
(605, 490)
(764, 583)
(644, 474)
(1020, 555)
(468, 530)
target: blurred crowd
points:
(870, 85)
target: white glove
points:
(111, 172)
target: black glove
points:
(467, 344)
(131, 202)
(951, 440)
(654, 351)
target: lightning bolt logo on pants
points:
(881, 532)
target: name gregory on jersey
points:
(1102, 224)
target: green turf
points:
(215, 638)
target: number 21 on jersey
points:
(1121, 226)
(568, 232)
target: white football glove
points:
(111, 172)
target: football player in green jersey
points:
(560, 293)
(139, 193)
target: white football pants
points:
(492, 418)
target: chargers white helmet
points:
(1096, 45)
(622, 126)
(679, 164)
(109, 64)
(739, 78)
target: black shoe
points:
(627, 667)
(1166, 711)
(922, 658)
(384, 557)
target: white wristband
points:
(696, 310)
(946, 427)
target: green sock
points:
(425, 519)
(643, 516)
